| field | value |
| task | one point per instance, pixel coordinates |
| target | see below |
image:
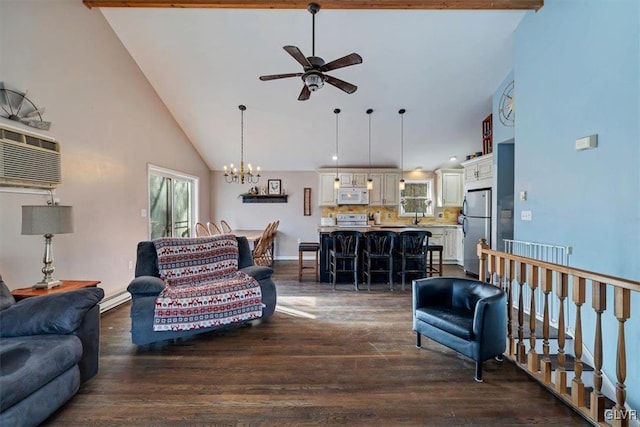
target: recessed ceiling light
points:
(453, 158)
(334, 157)
(418, 168)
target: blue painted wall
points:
(577, 73)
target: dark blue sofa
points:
(49, 345)
(147, 285)
(465, 315)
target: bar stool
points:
(413, 253)
(431, 270)
(307, 247)
(378, 255)
(344, 255)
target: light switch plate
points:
(525, 215)
(587, 142)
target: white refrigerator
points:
(476, 225)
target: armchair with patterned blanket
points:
(189, 286)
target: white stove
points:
(344, 220)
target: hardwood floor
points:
(324, 358)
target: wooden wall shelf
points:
(249, 198)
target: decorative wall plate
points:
(506, 109)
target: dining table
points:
(252, 235)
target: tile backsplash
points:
(389, 214)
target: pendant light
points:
(232, 174)
(336, 182)
(401, 112)
(369, 180)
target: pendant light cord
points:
(402, 111)
(336, 111)
(369, 111)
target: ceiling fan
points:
(314, 67)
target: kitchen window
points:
(417, 198)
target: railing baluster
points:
(540, 276)
(562, 291)
(510, 339)
(522, 278)
(577, 386)
(599, 304)
(482, 274)
(532, 357)
(622, 309)
(545, 364)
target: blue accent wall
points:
(577, 73)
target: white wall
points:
(225, 204)
(110, 124)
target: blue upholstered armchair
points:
(465, 315)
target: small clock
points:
(506, 109)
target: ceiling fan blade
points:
(298, 56)
(304, 94)
(345, 61)
(341, 84)
(279, 76)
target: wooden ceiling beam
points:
(326, 4)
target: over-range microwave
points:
(353, 196)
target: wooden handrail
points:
(501, 267)
(632, 285)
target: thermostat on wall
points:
(587, 142)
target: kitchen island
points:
(445, 234)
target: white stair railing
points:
(555, 254)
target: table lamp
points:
(47, 220)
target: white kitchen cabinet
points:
(459, 246)
(385, 189)
(448, 238)
(478, 172)
(449, 252)
(353, 179)
(327, 194)
(448, 187)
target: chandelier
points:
(231, 173)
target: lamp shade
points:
(47, 219)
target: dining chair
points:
(261, 249)
(213, 228)
(225, 226)
(202, 230)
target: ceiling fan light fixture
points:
(314, 81)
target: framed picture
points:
(274, 186)
(307, 202)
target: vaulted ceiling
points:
(442, 66)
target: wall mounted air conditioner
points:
(28, 159)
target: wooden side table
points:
(67, 285)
